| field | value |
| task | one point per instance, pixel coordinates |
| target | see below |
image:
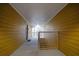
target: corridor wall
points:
(67, 23)
(12, 30)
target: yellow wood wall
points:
(12, 29)
(67, 22)
(50, 39)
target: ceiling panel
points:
(38, 13)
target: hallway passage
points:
(56, 25)
(31, 49)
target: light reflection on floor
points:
(31, 49)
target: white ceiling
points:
(38, 13)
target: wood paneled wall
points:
(50, 38)
(12, 30)
(67, 22)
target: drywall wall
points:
(12, 30)
(67, 22)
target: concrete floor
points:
(31, 49)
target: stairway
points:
(43, 44)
